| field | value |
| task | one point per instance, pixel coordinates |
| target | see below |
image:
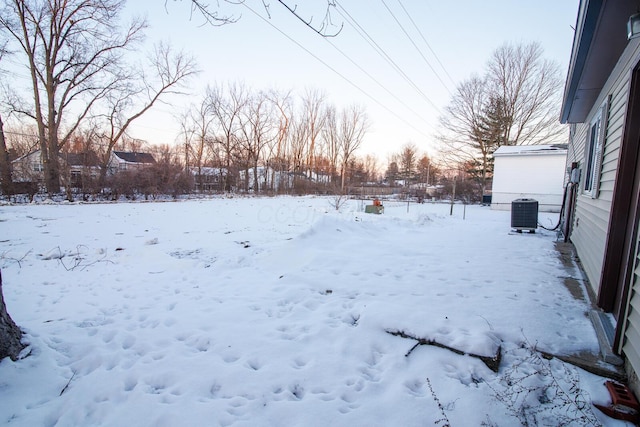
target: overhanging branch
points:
(326, 21)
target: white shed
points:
(529, 172)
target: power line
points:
(380, 84)
(415, 45)
(363, 33)
(335, 71)
(426, 42)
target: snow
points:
(277, 312)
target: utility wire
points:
(334, 70)
(426, 42)
(415, 45)
(380, 84)
(363, 33)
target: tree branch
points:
(211, 17)
(492, 362)
(326, 21)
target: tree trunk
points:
(52, 177)
(5, 164)
(10, 334)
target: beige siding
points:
(631, 347)
(576, 144)
(588, 237)
(631, 344)
(592, 214)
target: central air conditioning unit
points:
(524, 215)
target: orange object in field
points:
(377, 202)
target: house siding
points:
(631, 347)
(631, 350)
(631, 343)
(631, 340)
(592, 214)
(588, 237)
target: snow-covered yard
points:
(277, 312)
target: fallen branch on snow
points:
(492, 362)
(68, 382)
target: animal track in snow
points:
(230, 358)
(299, 362)
(415, 387)
(254, 364)
(130, 383)
(297, 391)
(128, 342)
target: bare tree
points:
(371, 167)
(211, 16)
(5, 163)
(73, 51)
(353, 127)
(10, 334)
(259, 129)
(526, 90)
(278, 146)
(314, 117)
(331, 140)
(515, 102)
(298, 141)
(131, 100)
(226, 111)
(325, 27)
(408, 159)
(187, 132)
(197, 130)
(463, 140)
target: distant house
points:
(268, 178)
(602, 105)
(80, 168)
(529, 172)
(28, 168)
(208, 179)
(121, 161)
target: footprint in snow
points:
(415, 387)
(297, 391)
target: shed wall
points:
(529, 176)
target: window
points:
(38, 167)
(593, 154)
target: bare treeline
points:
(275, 141)
(232, 138)
(84, 93)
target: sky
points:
(399, 60)
(281, 312)
(435, 44)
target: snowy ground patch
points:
(276, 312)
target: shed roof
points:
(530, 150)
